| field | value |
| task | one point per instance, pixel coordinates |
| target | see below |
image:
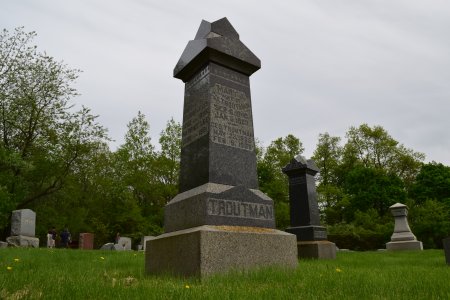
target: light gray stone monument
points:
(23, 227)
(118, 247)
(220, 220)
(402, 238)
(125, 242)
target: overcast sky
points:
(326, 64)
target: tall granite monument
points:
(219, 220)
(304, 210)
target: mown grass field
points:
(76, 274)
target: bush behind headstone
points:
(348, 236)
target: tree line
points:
(57, 161)
(358, 182)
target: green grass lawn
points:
(76, 274)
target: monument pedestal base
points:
(316, 249)
(404, 245)
(208, 249)
(23, 241)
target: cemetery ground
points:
(94, 274)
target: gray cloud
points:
(326, 65)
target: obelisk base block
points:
(23, 241)
(316, 249)
(404, 245)
(208, 249)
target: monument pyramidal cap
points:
(220, 220)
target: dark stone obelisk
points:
(218, 180)
(220, 220)
(304, 210)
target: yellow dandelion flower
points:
(101, 257)
(338, 270)
(16, 259)
(9, 268)
(187, 286)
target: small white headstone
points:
(125, 242)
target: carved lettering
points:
(220, 111)
(231, 118)
(297, 180)
(320, 234)
(225, 73)
(196, 111)
(238, 209)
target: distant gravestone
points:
(3, 244)
(118, 247)
(23, 227)
(107, 246)
(125, 242)
(23, 222)
(144, 240)
(304, 210)
(219, 220)
(402, 238)
(446, 243)
(86, 241)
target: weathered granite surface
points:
(206, 250)
(217, 204)
(23, 222)
(317, 249)
(23, 241)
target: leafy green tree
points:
(328, 158)
(168, 160)
(135, 160)
(430, 222)
(358, 182)
(433, 182)
(372, 188)
(42, 139)
(272, 181)
(373, 147)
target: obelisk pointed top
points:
(216, 42)
(221, 27)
